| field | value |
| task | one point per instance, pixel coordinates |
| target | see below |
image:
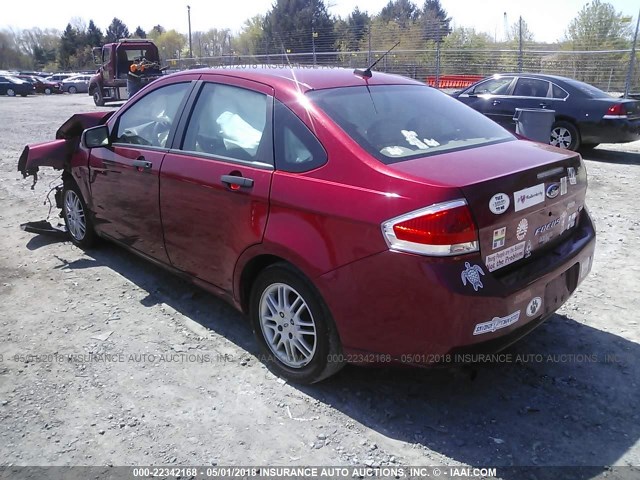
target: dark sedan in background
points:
(12, 86)
(41, 85)
(585, 115)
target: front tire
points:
(97, 97)
(293, 326)
(73, 90)
(11, 92)
(47, 91)
(565, 135)
(76, 216)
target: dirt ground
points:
(183, 386)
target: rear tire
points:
(565, 135)
(73, 90)
(47, 91)
(76, 216)
(293, 326)
(11, 92)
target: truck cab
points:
(125, 66)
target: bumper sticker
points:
(499, 203)
(563, 186)
(521, 231)
(534, 306)
(496, 323)
(571, 172)
(499, 237)
(528, 197)
(505, 257)
(472, 275)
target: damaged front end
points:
(58, 153)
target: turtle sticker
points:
(472, 275)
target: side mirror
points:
(96, 137)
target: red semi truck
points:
(125, 67)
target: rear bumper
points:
(615, 130)
(412, 309)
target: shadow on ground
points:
(602, 154)
(568, 400)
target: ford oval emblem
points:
(553, 190)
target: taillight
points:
(442, 229)
(616, 110)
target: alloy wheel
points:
(561, 137)
(76, 220)
(287, 325)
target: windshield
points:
(402, 122)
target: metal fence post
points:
(632, 60)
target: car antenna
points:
(367, 71)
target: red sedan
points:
(354, 216)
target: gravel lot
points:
(185, 387)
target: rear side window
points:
(531, 87)
(149, 120)
(296, 148)
(402, 122)
(559, 92)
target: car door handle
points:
(142, 164)
(496, 102)
(543, 105)
(234, 182)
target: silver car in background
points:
(76, 84)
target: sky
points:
(547, 19)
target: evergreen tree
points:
(93, 35)
(116, 31)
(140, 33)
(434, 20)
(403, 12)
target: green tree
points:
(598, 26)
(250, 40)
(156, 30)
(299, 26)
(68, 47)
(93, 35)
(140, 33)
(402, 12)
(10, 54)
(116, 31)
(357, 28)
(171, 44)
(465, 51)
(434, 21)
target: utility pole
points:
(189, 18)
(520, 46)
(627, 84)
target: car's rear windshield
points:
(403, 122)
(589, 90)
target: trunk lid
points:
(524, 196)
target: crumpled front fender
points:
(58, 153)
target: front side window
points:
(493, 86)
(228, 122)
(401, 122)
(149, 120)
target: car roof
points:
(304, 79)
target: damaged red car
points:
(353, 216)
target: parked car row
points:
(27, 83)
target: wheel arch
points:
(250, 271)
